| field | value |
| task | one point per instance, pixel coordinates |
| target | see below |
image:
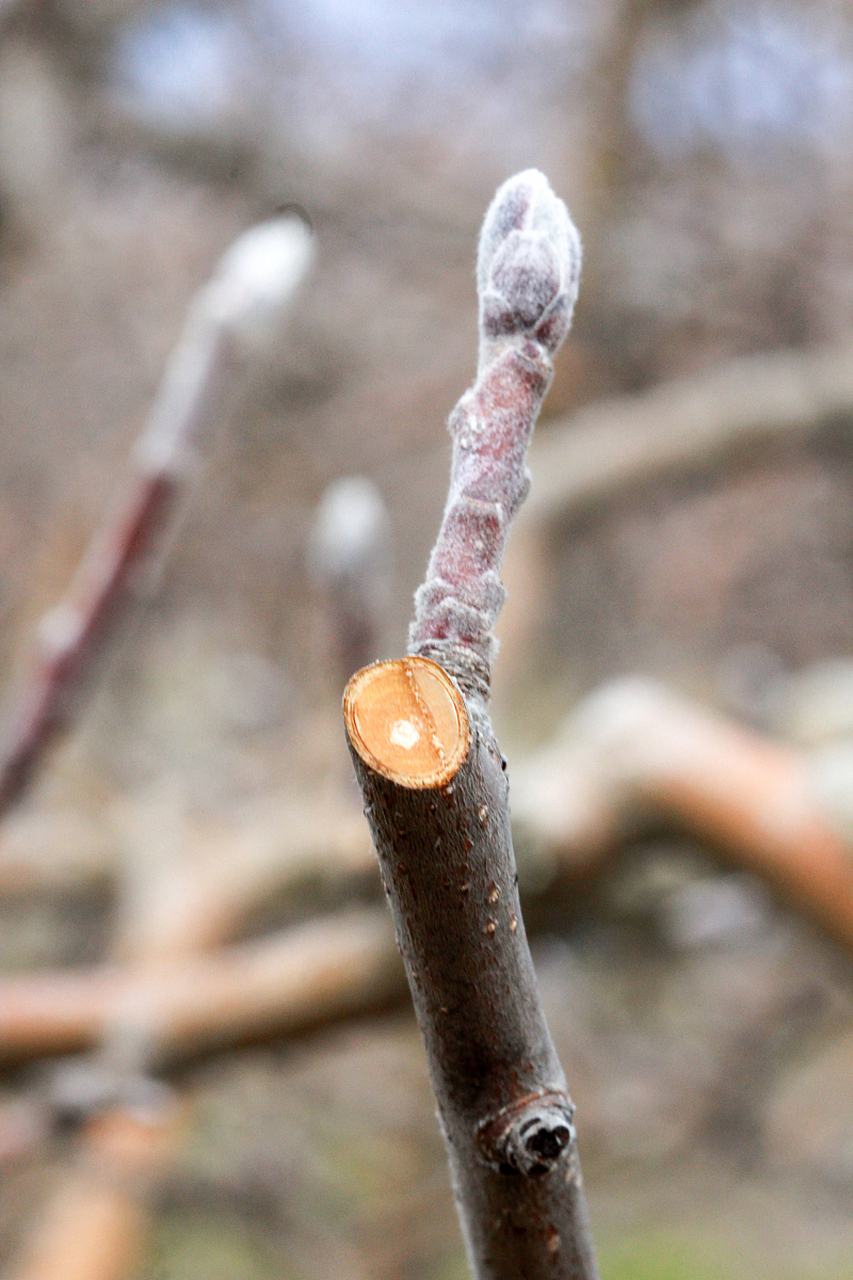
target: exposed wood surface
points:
(408, 721)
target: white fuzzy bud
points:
(350, 558)
(528, 265)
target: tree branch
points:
(702, 420)
(634, 753)
(298, 978)
(203, 895)
(436, 796)
(96, 1218)
(96, 1222)
(255, 279)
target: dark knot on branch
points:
(529, 1136)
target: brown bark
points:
(435, 794)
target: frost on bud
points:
(528, 264)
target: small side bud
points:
(350, 558)
(531, 1136)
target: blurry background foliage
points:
(705, 149)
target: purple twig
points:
(527, 277)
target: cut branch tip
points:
(408, 722)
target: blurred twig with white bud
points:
(237, 310)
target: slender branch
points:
(635, 752)
(703, 420)
(254, 280)
(287, 982)
(436, 796)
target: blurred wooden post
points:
(97, 1220)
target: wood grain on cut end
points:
(407, 720)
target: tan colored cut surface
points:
(407, 720)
